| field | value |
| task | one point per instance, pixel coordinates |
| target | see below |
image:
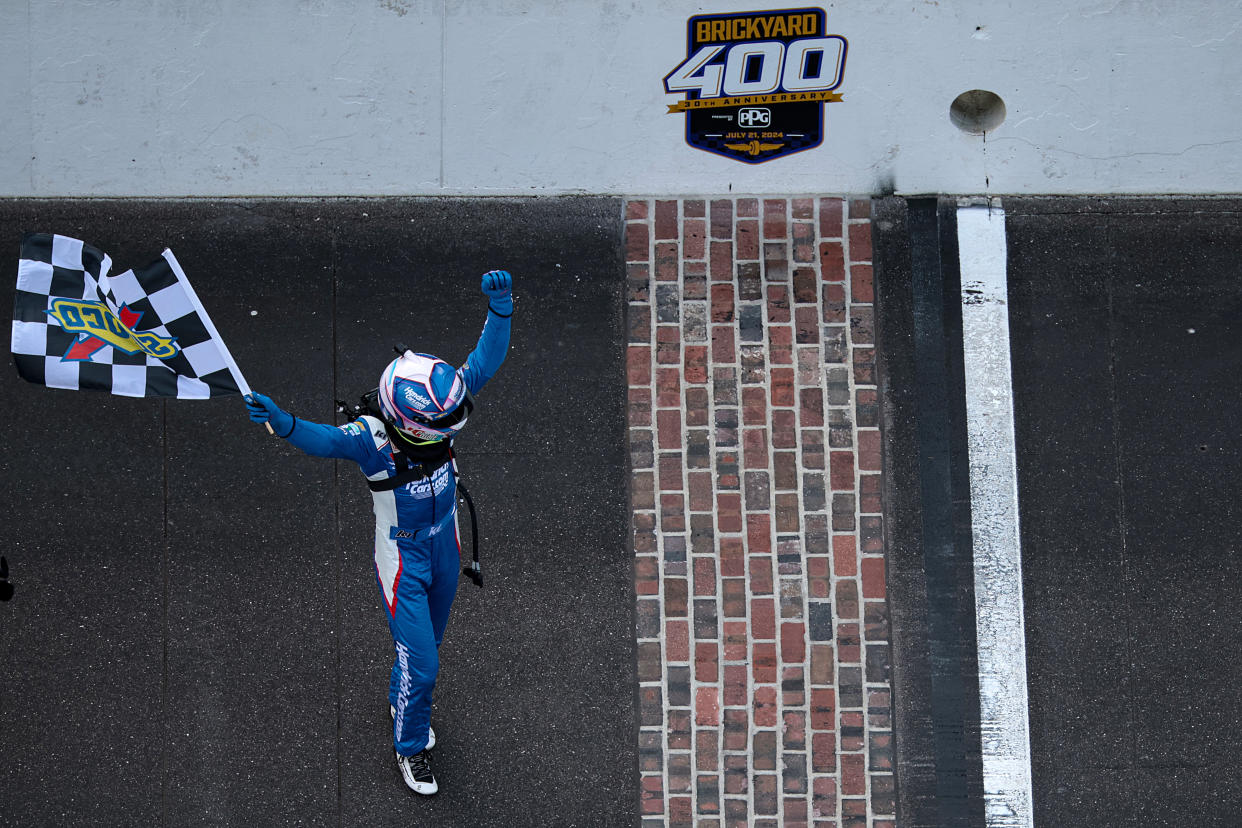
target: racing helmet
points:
(424, 397)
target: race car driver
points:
(404, 447)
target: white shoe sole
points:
(421, 788)
(431, 731)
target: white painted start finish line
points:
(1004, 722)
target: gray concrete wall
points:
(410, 97)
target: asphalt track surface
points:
(196, 635)
(1126, 319)
(1126, 351)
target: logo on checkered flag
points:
(141, 333)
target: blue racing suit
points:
(417, 545)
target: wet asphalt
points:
(196, 635)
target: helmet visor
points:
(453, 418)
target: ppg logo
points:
(754, 116)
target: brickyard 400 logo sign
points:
(756, 82)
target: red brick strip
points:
(762, 620)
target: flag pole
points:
(242, 385)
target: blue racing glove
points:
(263, 410)
(498, 285)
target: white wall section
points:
(425, 97)
(1003, 719)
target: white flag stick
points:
(242, 385)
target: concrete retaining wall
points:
(419, 97)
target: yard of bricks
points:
(762, 623)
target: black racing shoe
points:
(416, 771)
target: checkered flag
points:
(141, 333)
